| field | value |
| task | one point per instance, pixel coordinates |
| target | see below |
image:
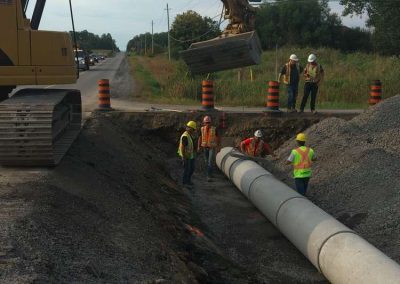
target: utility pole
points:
(169, 40)
(152, 37)
(145, 43)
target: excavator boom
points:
(238, 46)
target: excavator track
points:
(37, 126)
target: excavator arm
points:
(237, 46)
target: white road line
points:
(51, 86)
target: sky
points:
(124, 19)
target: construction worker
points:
(313, 73)
(255, 146)
(301, 158)
(186, 152)
(290, 74)
(209, 142)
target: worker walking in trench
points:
(256, 147)
(187, 153)
(209, 142)
(301, 158)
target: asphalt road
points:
(87, 82)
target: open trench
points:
(114, 211)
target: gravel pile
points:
(356, 175)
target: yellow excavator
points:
(238, 46)
(37, 126)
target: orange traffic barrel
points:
(207, 97)
(273, 95)
(375, 93)
(104, 94)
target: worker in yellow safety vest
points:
(313, 74)
(209, 142)
(290, 75)
(186, 152)
(301, 158)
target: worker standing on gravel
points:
(186, 152)
(301, 158)
(255, 146)
(313, 73)
(290, 74)
(209, 142)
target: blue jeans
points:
(209, 157)
(301, 185)
(188, 170)
(292, 96)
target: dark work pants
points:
(301, 185)
(309, 88)
(188, 170)
(292, 95)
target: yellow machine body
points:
(32, 57)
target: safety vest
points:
(313, 72)
(302, 162)
(254, 151)
(286, 76)
(208, 137)
(187, 151)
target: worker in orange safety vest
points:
(255, 146)
(301, 158)
(209, 142)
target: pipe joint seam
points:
(324, 243)
(251, 184)
(230, 168)
(281, 205)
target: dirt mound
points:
(356, 175)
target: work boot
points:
(314, 111)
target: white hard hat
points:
(258, 133)
(312, 58)
(294, 57)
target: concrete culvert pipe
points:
(335, 250)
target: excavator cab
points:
(238, 46)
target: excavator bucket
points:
(222, 53)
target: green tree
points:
(88, 41)
(302, 23)
(190, 27)
(383, 16)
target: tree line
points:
(306, 23)
(89, 41)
